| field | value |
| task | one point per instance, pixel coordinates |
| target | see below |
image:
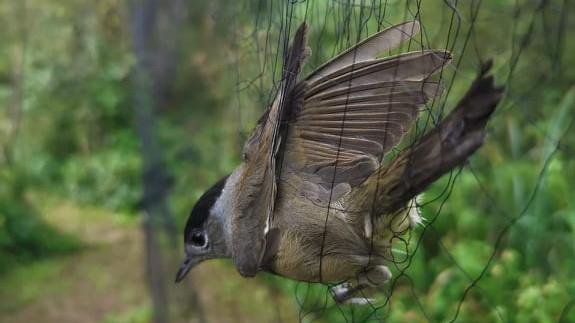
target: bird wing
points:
(258, 183)
(440, 150)
(354, 109)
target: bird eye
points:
(198, 239)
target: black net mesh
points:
(439, 272)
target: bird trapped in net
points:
(313, 199)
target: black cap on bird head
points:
(195, 234)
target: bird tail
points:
(460, 134)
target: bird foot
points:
(375, 276)
(343, 294)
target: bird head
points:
(204, 235)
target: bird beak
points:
(184, 269)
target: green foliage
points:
(110, 178)
(24, 236)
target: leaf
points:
(560, 121)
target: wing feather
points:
(357, 107)
(369, 48)
(413, 66)
(258, 188)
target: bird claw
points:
(342, 294)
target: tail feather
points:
(445, 147)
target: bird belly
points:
(315, 247)
(299, 260)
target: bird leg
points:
(344, 292)
(372, 277)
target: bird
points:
(326, 182)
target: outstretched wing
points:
(354, 109)
(258, 184)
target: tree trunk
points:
(154, 175)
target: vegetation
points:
(497, 244)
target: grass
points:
(101, 278)
(142, 314)
(30, 282)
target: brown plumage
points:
(311, 200)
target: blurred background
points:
(115, 116)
